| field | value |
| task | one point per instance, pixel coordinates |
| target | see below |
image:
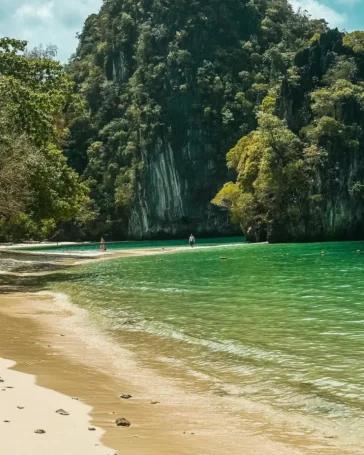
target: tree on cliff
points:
(37, 187)
(300, 174)
(177, 81)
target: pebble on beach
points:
(122, 422)
(39, 431)
(125, 396)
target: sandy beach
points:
(55, 363)
(30, 422)
(50, 352)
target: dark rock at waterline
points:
(39, 431)
(125, 396)
(91, 428)
(62, 412)
(122, 422)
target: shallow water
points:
(131, 245)
(279, 325)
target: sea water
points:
(278, 325)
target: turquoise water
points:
(81, 247)
(280, 325)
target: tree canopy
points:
(182, 76)
(300, 173)
(37, 187)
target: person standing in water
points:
(191, 240)
(102, 244)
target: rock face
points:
(341, 212)
(161, 85)
(180, 201)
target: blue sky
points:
(57, 21)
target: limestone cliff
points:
(164, 90)
(301, 172)
(340, 214)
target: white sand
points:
(65, 435)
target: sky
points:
(58, 21)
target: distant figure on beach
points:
(102, 244)
(191, 240)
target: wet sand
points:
(42, 339)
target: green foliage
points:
(355, 41)
(184, 75)
(38, 188)
(303, 177)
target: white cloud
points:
(46, 21)
(30, 11)
(319, 10)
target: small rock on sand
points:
(20, 407)
(91, 428)
(39, 431)
(122, 422)
(125, 396)
(75, 398)
(62, 412)
(154, 402)
(6, 421)
(2, 380)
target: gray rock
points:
(122, 422)
(125, 396)
(39, 431)
(62, 412)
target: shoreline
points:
(164, 419)
(27, 408)
(53, 340)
